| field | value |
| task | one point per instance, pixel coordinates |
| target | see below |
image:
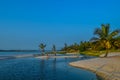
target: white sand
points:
(108, 68)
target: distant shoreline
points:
(19, 50)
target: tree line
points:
(104, 40)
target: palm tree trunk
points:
(42, 52)
(47, 54)
(55, 53)
(106, 54)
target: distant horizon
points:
(25, 24)
(24, 50)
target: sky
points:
(24, 24)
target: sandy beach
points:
(107, 68)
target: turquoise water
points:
(42, 69)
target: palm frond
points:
(94, 39)
(98, 32)
(114, 33)
(42, 46)
(105, 29)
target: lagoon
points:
(43, 69)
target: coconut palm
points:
(116, 43)
(54, 49)
(42, 47)
(104, 37)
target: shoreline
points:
(106, 68)
(42, 57)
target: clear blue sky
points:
(26, 23)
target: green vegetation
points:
(103, 42)
(105, 38)
(54, 49)
(61, 52)
(42, 47)
(72, 48)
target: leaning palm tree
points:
(104, 37)
(42, 47)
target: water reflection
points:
(42, 66)
(42, 69)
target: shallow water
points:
(42, 69)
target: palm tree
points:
(54, 49)
(42, 47)
(116, 43)
(104, 37)
(65, 47)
